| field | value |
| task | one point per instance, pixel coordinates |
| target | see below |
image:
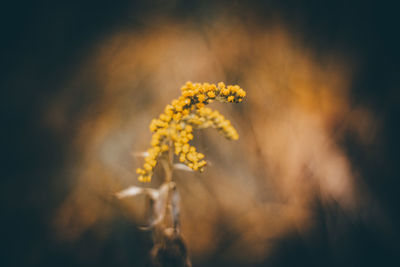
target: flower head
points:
(173, 129)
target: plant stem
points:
(168, 169)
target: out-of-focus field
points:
(255, 190)
(312, 180)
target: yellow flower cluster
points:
(174, 128)
(206, 117)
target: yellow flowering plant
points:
(173, 129)
(172, 132)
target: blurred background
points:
(312, 181)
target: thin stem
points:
(168, 178)
(168, 165)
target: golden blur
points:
(256, 189)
